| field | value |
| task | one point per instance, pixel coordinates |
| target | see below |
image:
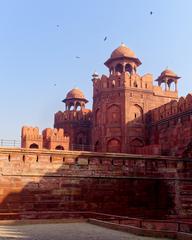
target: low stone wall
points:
(51, 184)
(150, 228)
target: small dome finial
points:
(95, 74)
(122, 44)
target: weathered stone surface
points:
(121, 184)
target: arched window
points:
(111, 70)
(59, 147)
(71, 107)
(171, 86)
(114, 114)
(78, 107)
(119, 68)
(34, 145)
(128, 68)
(114, 145)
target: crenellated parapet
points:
(55, 139)
(122, 80)
(49, 139)
(31, 137)
(61, 117)
(172, 108)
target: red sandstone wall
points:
(37, 181)
(170, 127)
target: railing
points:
(10, 143)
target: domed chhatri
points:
(123, 51)
(75, 93)
(74, 99)
(168, 77)
(169, 73)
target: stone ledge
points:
(135, 230)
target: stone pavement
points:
(64, 231)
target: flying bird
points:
(77, 57)
(57, 25)
(105, 38)
(151, 12)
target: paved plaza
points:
(64, 231)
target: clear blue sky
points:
(35, 54)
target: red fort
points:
(130, 114)
(126, 162)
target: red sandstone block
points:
(44, 158)
(16, 157)
(64, 167)
(118, 162)
(94, 161)
(107, 168)
(106, 161)
(57, 158)
(67, 191)
(159, 225)
(4, 157)
(69, 160)
(30, 158)
(82, 161)
(129, 162)
(94, 167)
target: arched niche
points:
(34, 146)
(81, 138)
(114, 145)
(136, 113)
(59, 147)
(135, 84)
(114, 114)
(135, 144)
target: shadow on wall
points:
(41, 185)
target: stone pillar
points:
(124, 67)
(165, 84)
(75, 105)
(175, 85)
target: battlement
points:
(84, 114)
(55, 139)
(30, 137)
(124, 79)
(49, 139)
(172, 108)
(132, 81)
